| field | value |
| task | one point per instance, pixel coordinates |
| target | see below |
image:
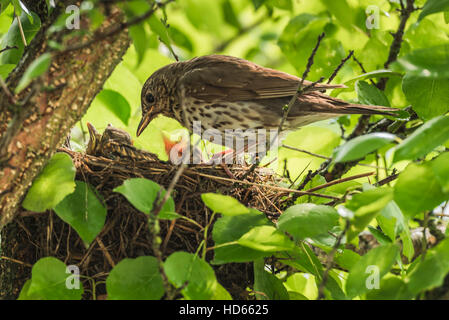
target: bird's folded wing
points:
(241, 81)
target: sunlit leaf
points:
(13, 38)
(370, 94)
(426, 138)
(417, 189)
(376, 263)
(431, 272)
(225, 205)
(429, 97)
(83, 211)
(36, 69)
(308, 220)
(198, 277)
(266, 285)
(52, 185)
(117, 103)
(142, 193)
(361, 146)
(228, 229)
(50, 280)
(430, 62)
(267, 239)
(135, 279)
(433, 6)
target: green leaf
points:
(308, 220)
(4, 4)
(342, 11)
(390, 288)
(116, 103)
(417, 189)
(142, 193)
(429, 97)
(381, 237)
(225, 205)
(180, 38)
(361, 146)
(429, 136)
(266, 239)
(183, 267)
(50, 280)
(139, 37)
(17, 7)
(221, 293)
(366, 206)
(228, 229)
(298, 40)
(165, 215)
(37, 68)
(373, 265)
(266, 285)
(431, 272)
(391, 220)
(430, 62)
(52, 185)
(370, 94)
(433, 6)
(258, 3)
(83, 211)
(5, 69)
(13, 38)
(135, 279)
(229, 14)
(440, 167)
(159, 28)
(302, 283)
(346, 258)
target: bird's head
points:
(156, 97)
(94, 140)
(117, 135)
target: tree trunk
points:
(41, 118)
(32, 130)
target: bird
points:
(229, 93)
(114, 144)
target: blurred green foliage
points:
(280, 34)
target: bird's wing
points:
(232, 79)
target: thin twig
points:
(22, 34)
(268, 186)
(330, 260)
(334, 74)
(117, 28)
(8, 48)
(221, 47)
(334, 182)
(299, 91)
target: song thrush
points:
(224, 92)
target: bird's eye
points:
(149, 98)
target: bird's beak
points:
(93, 137)
(144, 122)
(92, 131)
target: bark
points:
(32, 129)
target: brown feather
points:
(233, 79)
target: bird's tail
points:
(320, 103)
(316, 106)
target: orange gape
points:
(169, 145)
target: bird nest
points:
(126, 233)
